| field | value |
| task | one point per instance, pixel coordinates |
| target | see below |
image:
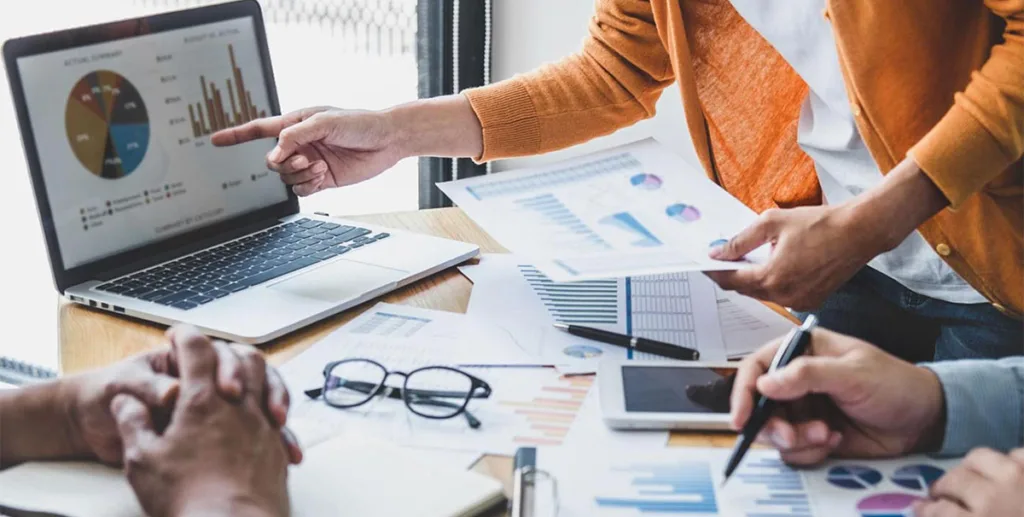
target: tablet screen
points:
(661, 389)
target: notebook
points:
(348, 473)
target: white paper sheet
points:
(686, 481)
(681, 308)
(636, 209)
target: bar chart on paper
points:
(678, 488)
(667, 308)
(530, 407)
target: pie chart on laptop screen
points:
(107, 125)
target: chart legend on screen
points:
(211, 114)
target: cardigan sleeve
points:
(983, 133)
(613, 82)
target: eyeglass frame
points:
(476, 384)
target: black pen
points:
(792, 347)
(639, 344)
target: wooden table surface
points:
(91, 338)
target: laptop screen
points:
(123, 128)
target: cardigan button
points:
(855, 109)
(943, 249)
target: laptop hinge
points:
(185, 250)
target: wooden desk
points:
(90, 338)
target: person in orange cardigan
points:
(880, 141)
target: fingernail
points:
(275, 155)
(833, 441)
(816, 434)
(717, 252)
(779, 441)
(320, 168)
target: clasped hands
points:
(198, 427)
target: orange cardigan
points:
(942, 81)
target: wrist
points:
(932, 427)
(441, 126)
(904, 200)
(220, 504)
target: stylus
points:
(639, 344)
(792, 347)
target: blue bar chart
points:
(521, 185)
(675, 487)
(778, 490)
(566, 226)
(591, 302)
(656, 307)
(388, 324)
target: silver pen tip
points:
(561, 326)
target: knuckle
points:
(770, 216)
(134, 459)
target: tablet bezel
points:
(613, 405)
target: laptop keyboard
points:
(232, 267)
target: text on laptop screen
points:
(122, 133)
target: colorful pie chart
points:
(853, 477)
(107, 125)
(887, 505)
(917, 477)
(683, 212)
(646, 181)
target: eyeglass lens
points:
(437, 392)
(431, 392)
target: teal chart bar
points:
(679, 488)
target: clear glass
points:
(437, 392)
(351, 383)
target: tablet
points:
(665, 395)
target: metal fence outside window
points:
(373, 27)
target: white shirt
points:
(828, 134)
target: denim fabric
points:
(879, 310)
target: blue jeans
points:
(879, 310)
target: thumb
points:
(808, 375)
(293, 137)
(152, 389)
(134, 423)
(764, 229)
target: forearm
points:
(904, 200)
(441, 126)
(984, 402)
(34, 425)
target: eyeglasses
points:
(437, 392)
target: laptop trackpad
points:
(340, 280)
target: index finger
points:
(196, 357)
(253, 130)
(746, 281)
(745, 387)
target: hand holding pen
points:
(875, 404)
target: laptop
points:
(144, 217)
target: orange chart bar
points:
(212, 115)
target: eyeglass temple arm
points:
(470, 419)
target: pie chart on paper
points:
(683, 212)
(888, 505)
(646, 181)
(853, 477)
(917, 477)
